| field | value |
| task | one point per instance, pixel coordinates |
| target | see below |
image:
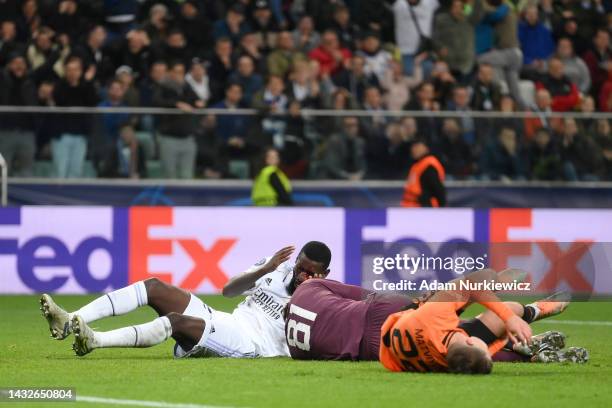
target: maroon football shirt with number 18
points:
(329, 320)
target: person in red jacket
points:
(564, 93)
(425, 184)
(330, 55)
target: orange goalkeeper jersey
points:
(417, 340)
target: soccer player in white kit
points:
(254, 329)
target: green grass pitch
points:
(30, 358)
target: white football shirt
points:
(261, 313)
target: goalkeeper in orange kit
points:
(432, 338)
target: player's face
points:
(305, 269)
(477, 342)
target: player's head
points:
(469, 356)
(312, 260)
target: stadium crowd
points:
(282, 56)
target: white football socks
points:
(115, 303)
(142, 335)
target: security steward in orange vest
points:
(424, 187)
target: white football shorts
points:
(223, 336)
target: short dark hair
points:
(464, 359)
(317, 251)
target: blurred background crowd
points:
(281, 57)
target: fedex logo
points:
(206, 261)
(559, 253)
(79, 250)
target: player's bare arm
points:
(516, 328)
(241, 283)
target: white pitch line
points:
(140, 403)
(578, 322)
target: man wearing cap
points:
(17, 140)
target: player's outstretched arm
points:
(245, 281)
(517, 329)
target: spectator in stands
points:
(70, 147)
(30, 20)
(575, 68)
(599, 60)
(95, 55)
(284, 56)
(232, 130)
(344, 156)
(69, 19)
(196, 27)
(398, 86)
(347, 31)
(197, 78)
(119, 17)
(461, 103)
(389, 157)
(425, 182)
(541, 114)
(303, 87)
(455, 154)
(603, 138)
(113, 121)
(589, 15)
(373, 17)
(377, 60)
(330, 55)
(453, 36)
(564, 93)
(264, 25)
(174, 48)
(9, 43)
(271, 186)
(486, 90)
(135, 52)
(605, 95)
(125, 75)
(126, 157)
(354, 78)
(425, 101)
(536, 39)
(249, 45)
(582, 160)
(305, 37)
(45, 57)
(568, 28)
(273, 103)
(177, 145)
(544, 157)
(233, 26)
(148, 86)
(221, 66)
(443, 82)
(158, 24)
(502, 159)
(373, 103)
(507, 117)
(250, 81)
(17, 138)
(413, 30)
(505, 56)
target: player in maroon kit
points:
(329, 320)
